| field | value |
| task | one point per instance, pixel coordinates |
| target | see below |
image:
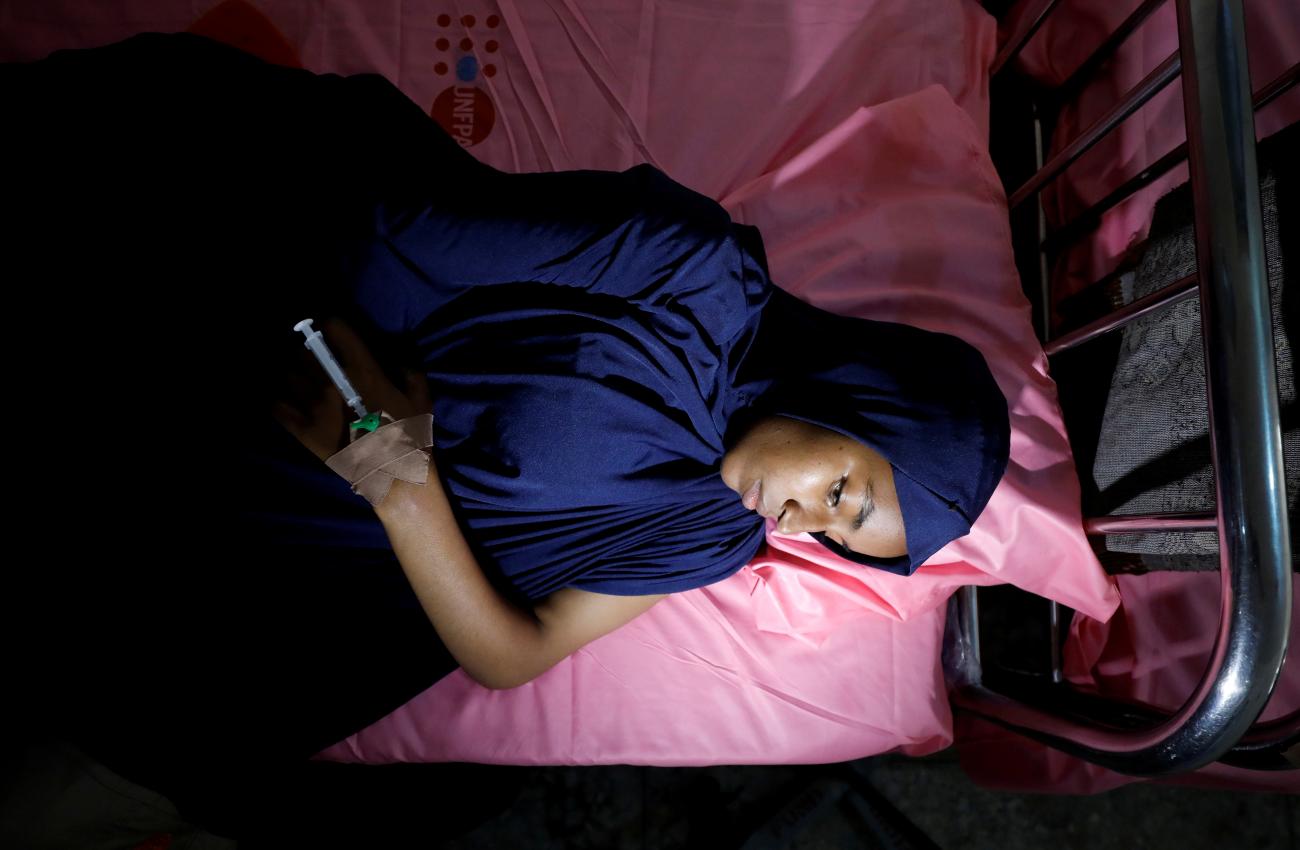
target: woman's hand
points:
(316, 414)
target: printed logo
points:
(463, 109)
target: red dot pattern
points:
(467, 44)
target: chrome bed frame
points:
(1217, 721)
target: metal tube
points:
(1279, 86)
(1044, 276)
(1089, 217)
(961, 639)
(1273, 745)
(1132, 523)
(1245, 425)
(1054, 623)
(1244, 428)
(1140, 94)
(1021, 36)
(1175, 292)
(972, 625)
(1082, 75)
(1270, 732)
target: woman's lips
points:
(750, 499)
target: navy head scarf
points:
(925, 401)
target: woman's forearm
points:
(496, 642)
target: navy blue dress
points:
(581, 332)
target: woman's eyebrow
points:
(867, 509)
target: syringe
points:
(316, 344)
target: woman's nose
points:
(798, 517)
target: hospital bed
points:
(855, 136)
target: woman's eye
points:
(836, 492)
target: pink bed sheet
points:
(853, 134)
(1154, 650)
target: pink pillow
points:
(691, 682)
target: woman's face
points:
(809, 478)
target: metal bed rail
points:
(1245, 432)
(1090, 217)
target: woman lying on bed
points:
(620, 397)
